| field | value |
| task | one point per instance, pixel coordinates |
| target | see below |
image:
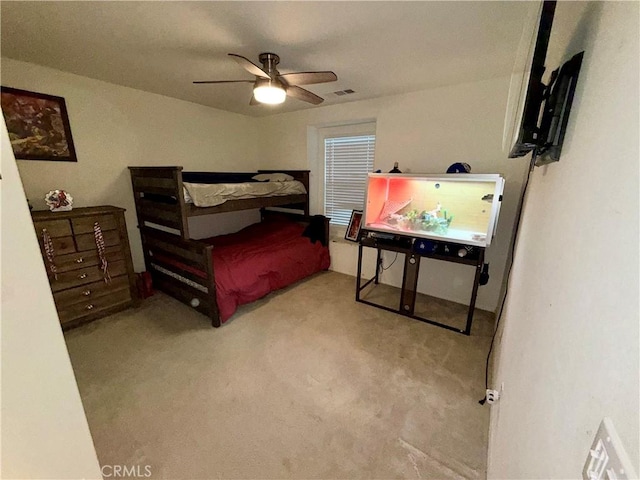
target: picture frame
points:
(353, 230)
(38, 125)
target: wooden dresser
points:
(74, 266)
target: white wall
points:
(425, 132)
(44, 430)
(114, 127)
(570, 344)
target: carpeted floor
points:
(305, 383)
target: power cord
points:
(382, 268)
(506, 290)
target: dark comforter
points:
(260, 259)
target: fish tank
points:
(461, 208)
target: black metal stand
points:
(445, 251)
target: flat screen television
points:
(531, 92)
(461, 208)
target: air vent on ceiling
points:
(348, 91)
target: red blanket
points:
(260, 259)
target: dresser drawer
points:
(87, 241)
(60, 233)
(82, 276)
(85, 224)
(92, 306)
(87, 293)
(77, 260)
(55, 228)
(61, 245)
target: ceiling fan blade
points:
(308, 78)
(249, 66)
(304, 95)
(225, 81)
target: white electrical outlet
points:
(607, 459)
(492, 396)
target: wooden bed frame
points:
(158, 193)
(163, 222)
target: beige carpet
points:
(305, 383)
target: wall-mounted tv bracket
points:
(557, 101)
(414, 249)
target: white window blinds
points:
(347, 161)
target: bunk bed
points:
(218, 274)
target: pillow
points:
(272, 177)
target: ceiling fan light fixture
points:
(269, 93)
(272, 88)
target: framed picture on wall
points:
(38, 125)
(353, 230)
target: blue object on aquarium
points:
(425, 246)
(459, 168)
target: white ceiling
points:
(375, 48)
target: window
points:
(347, 161)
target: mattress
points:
(257, 260)
(213, 194)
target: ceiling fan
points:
(272, 87)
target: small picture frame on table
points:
(353, 230)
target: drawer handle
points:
(84, 275)
(86, 293)
(80, 260)
(89, 307)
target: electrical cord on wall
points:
(382, 268)
(506, 290)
